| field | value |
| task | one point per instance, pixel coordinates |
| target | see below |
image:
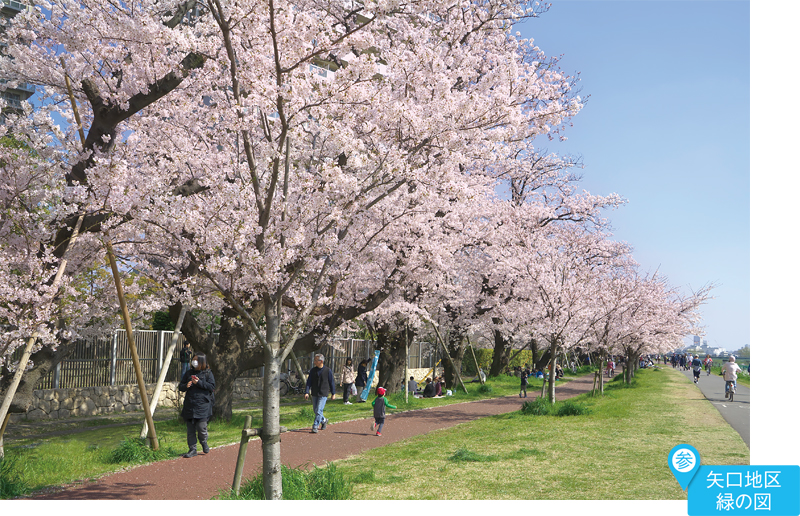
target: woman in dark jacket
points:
(430, 389)
(198, 384)
(361, 379)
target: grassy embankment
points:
(615, 450)
(618, 451)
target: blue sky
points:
(667, 127)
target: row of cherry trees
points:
(407, 187)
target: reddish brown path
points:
(202, 477)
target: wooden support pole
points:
(2, 433)
(164, 369)
(126, 318)
(72, 101)
(299, 368)
(478, 367)
(247, 433)
(237, 475)
(445, 353)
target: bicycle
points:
(730, 389)
(291, 382)
(708, 369)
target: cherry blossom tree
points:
(654, 318)
(43, 306)
(294, 165)
(230, 170)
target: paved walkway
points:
(737, 412)
(202, 477)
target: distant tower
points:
(696, 341)
(13, 96)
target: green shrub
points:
(12, 482)
(568, 408)
(162, 321)
(542, 407)
(137, 451)
(485, 389)
(537, 407)
(326, 483)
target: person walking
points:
(379, 405)
(320, 384)
(198, 384)
(523, 383)
(610, 367)
(185, 357)
(361, 379)
(697, 367)
(348, 378)
(707, 364)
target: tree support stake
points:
(247, 433)
(126, 318)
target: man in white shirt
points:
(729, 373)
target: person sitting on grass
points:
(412, 386)
(430, 390)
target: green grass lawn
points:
(43, 461)
(616, 452)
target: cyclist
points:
(707, 363)
(729, 370)
(697, 366)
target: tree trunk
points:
(600, 374)
(456, 348)
(501, 354)
(271, 428)
(544, 360)
(631, 361)
(392, 361)
(44, 361)
(551, 391)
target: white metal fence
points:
(101, 362)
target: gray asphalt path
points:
(736, 413)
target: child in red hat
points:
(379, 405)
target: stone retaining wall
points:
(93, 401)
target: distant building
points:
(704, 348)
(22, 92)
